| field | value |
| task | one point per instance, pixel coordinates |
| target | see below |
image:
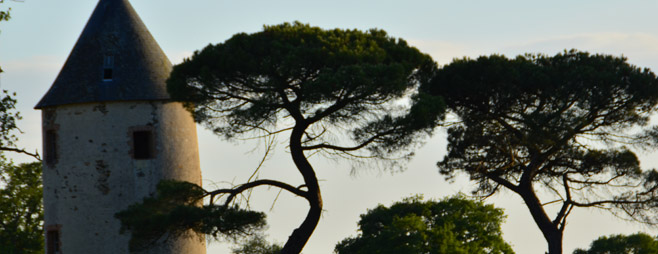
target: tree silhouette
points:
(555, 130)
(333, 92)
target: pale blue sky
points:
(36, 42)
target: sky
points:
(35, 43)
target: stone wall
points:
(93, 173)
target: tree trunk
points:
(551, 233)
(300, 236)
(555, 244)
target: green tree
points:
(555, 130)
(21, 209)
(638, 243)
(257, 245)
(332, 92)
(175, 209)
(21, 192)
(453, 225)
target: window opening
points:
(108, 65)
(51, 147)
(53, 242)
(107, 74)
(143, 144)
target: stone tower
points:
(110, 134)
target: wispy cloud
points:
(45, 63)
(445, 51)
(640, 48)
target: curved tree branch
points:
(348, 149)
(243, 187)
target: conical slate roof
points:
(114, 38)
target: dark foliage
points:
(257, 245)
(8, 119)
(21, 209)
(562, 126)
(315, 77)
(334, 92)
(176, 211)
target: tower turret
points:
(110, 134)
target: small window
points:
(143, 145)
(108, 66)
(53, 242)
(50, 148)
(107, 74)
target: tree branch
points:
(241, 188)
(608, 202)
(34, 155)
(347, 149)
(496, 178)
(561, 217)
